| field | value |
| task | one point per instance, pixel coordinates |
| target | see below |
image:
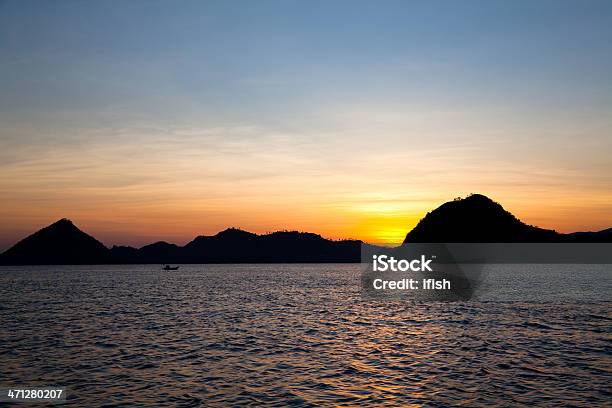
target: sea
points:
(304, 335)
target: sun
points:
(384, 228)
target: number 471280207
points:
(12, 394)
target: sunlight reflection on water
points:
(303, 335)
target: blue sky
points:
(236, 60)
(510, 98)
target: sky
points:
(162, 120)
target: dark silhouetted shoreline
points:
(474, 219)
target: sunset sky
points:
(151, 120)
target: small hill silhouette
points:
(160, 252)
(593, 237)
(59, 243)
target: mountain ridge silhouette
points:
(475, 218)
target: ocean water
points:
(303, 335)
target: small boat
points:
(170, 268)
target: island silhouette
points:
(474, 219)
(477, 218)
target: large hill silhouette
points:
(475, 218)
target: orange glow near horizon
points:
(179, 223)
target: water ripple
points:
(291, 335)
